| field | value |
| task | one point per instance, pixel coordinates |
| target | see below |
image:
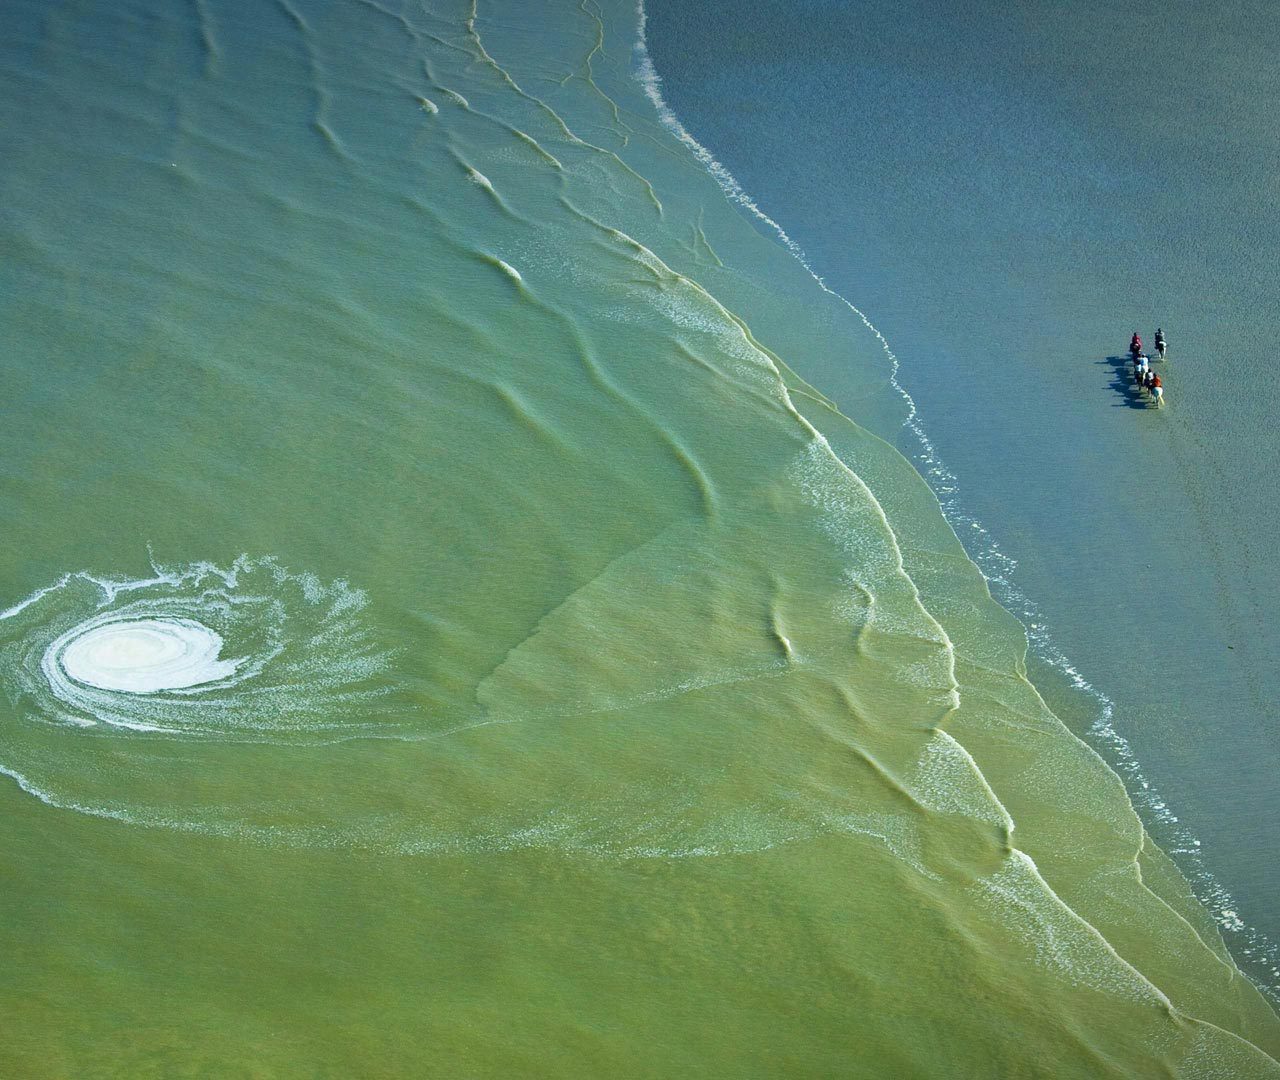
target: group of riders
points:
(1144, 375)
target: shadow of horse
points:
(1122, 382)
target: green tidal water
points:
(587, 694)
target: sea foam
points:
(140, 656)
(249, 650)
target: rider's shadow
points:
(1123, 383)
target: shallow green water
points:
(441, 638)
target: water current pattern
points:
(138, 669)
(606, 686)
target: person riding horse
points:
(1160, 343)
(1135, 346)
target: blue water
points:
(1008, 195)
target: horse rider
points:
(1160, 345)
(1135, 345)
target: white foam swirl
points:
(220, 700)
(139, 656)
(249, 651)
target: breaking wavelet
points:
(998, 568)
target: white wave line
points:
(995, 566)
(8, 613)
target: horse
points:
(1161, 348)
(1157, 395)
